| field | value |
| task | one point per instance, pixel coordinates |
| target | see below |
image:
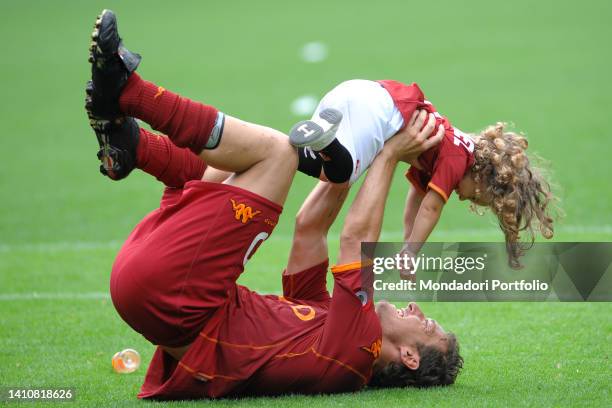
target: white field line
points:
(83, 246)
(76, 246)
(4, 297)
(60, 246)
(11, 297)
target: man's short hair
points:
(435, 368)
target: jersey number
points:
(303, 312)
(258, 239)
(463, 139)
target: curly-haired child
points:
(492, 169)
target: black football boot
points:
(118, 142)
(111, 65)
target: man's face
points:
(409, 326)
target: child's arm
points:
(425, 221)
(413, 202)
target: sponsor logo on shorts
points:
(270, 222)
(243, 212)
(374, 349)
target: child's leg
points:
(369, 118)
(330, 158)
(334, 163)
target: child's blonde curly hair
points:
(517, 191)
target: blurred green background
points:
(543, 66)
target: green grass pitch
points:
(542, 65)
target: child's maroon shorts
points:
(181, 262)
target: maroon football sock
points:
(187, 123)
(172, 165)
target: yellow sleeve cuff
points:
(438, 190)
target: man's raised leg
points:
(262, 157)
(223, 142)
(170, 164)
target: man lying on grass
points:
(174, 280)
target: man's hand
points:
(410, 142)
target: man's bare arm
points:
(312, 223)
(364, 220)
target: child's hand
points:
(407, 269)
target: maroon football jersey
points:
(302, 342)
(444, 165)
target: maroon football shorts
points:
(181, 262)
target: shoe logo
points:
(374, 349)
(244, 213)
(160, 91)
(309, 152)
(304, 129)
